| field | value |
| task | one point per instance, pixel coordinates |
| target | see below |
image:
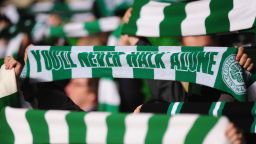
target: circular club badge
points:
(232, 75)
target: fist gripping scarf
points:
(215, 67)
(8, 88)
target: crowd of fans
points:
(24, 23)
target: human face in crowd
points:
(79, 92)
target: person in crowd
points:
(83, 92)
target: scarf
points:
(215, 67)
(8, 88)
(242, 114)
(77, 29)
(34, 126)
(202, 17)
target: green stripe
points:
(116, 128)
(10, 100)
(179, 107)
(169, 111)
(92, 27)
(157, 126)
(108, 108)
(6, 134)
(131, 27)
(76, 127)
(187, 75)
(57, 31)
(27, 68)
(61, 73)
(254, 109)
(200, 129)
(1, 62)
(219, 14)
(38, 126)
(212, 108)
(220, 110)
(143, 73)
(222, 105)
(174, 22)
(147, 48)
(104, 48)
(253, 127)
(102, 72)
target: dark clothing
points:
(131, 94)
(167, 90)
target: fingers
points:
(9, 62)
(137, 110)
(127, 15)
(250, 67)
(243, 59)
(233, 134)
(239, 53)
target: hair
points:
(93, 85)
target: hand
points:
(10, 63)
(127, 15)
(244, 60)
(137, 110)
(234, 135)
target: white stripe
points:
(76, 5)
(178, 127)
(8, 84)
(145, 24)
(113, 41)
(71, 27)
(125, 71)
(96, 132)
(17, 121)
(14, 45)
(75, 30)
(242, 16)
(217, 133)
(174, 108)
(126, 49)
(79, 71)
(108, 92)
(41, 76)
(136, 128)
(216, 108)
(207, 79)
(109, 24)
(196, 13)
(167, 73)
(58, 127)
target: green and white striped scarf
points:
(114, 38)
(85, 29)
(242, 114)
(201, 17)
(108, 96)
(72, 6)
(8, 88)
(110, 7)
(215, 67)
(34, 126)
